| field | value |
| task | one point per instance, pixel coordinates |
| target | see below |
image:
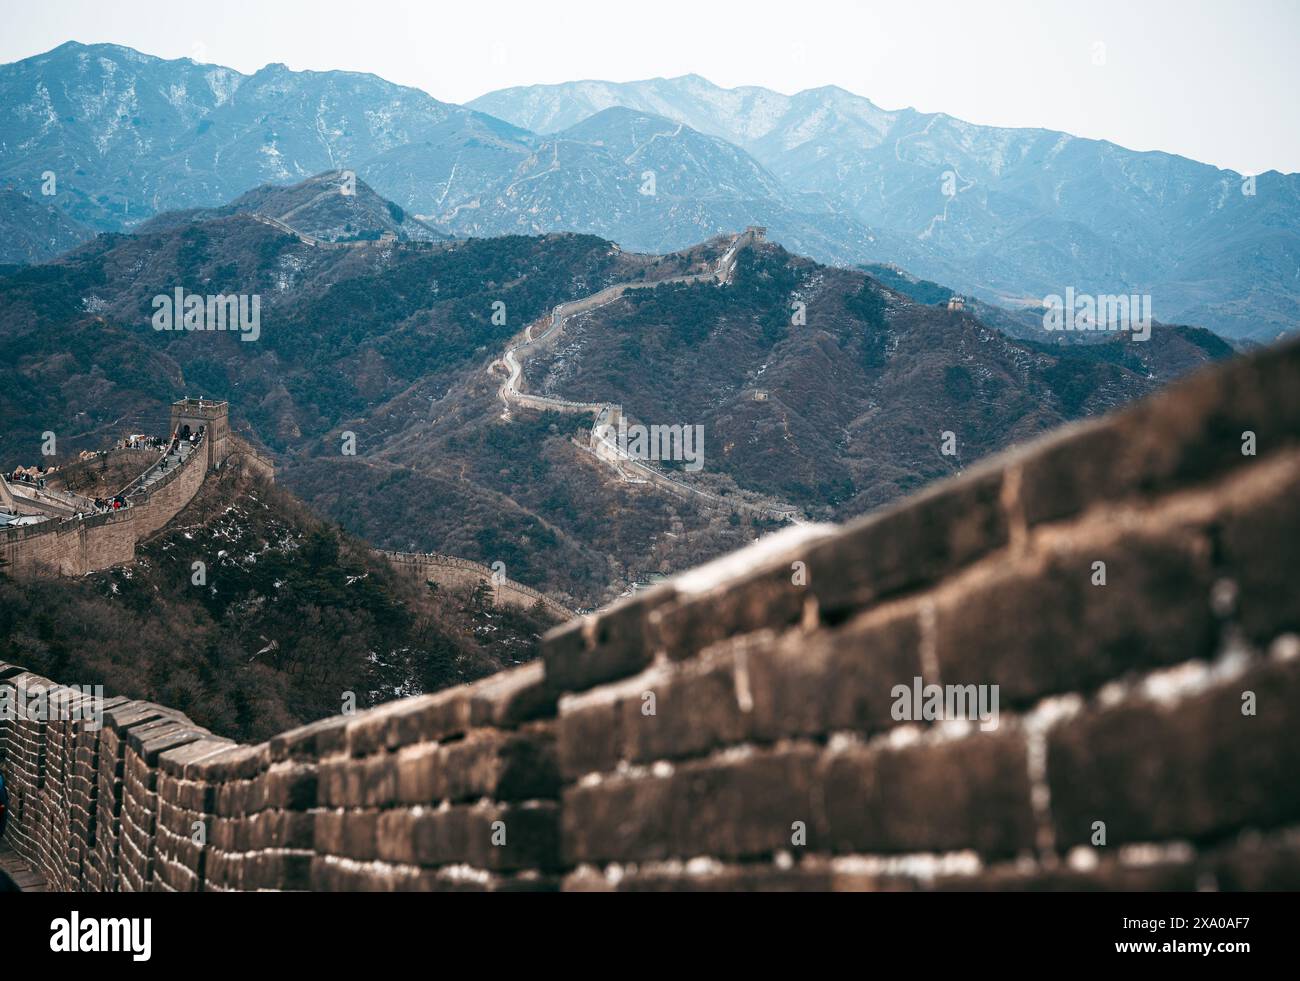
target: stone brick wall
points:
(773, 757)
(68, 548)
(448, 570)
(456, 791)
(213, 416)
(95, 475)
(247, 456)
(737, 727)
(75, 547)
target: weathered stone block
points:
(1040, 626)
(1192, 768)
(943, 795)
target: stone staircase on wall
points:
(88, 542)
(736, 726)
(78, 541)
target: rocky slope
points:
(842, 407)
(33, 231)
(291, 617)
(336, 206)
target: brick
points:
(512, 697)
(150, 745)
(291, 786)
(749, 590)
(1190, 433)
(463, 834)
(410, 720)
(430, 773)
(736, 806)
(1153, 611)
(908, 545)
(834, 680)
(173, 761)
(127, 714)
(942, 795)
(529, 765)
(1191, 769)
(277, 870)
(689, 624)
(487, 763)
(695, 711)
(359, 835)
(237, 763)
(310, 741)
(607, 646)
(566, 641)
(1264, 570)
(761, 688)
(1064, 472)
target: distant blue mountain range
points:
(1009, 215)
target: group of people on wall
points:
(31, 475)
(37, 475)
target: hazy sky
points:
(1211, 79)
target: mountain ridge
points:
(394, 345)
(333, 207)
(33, 231)
(1009, 202)
(1005, 215)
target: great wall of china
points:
(732, 728)
(606, 414)
(448, 570)
(312, 240)
(74, 544)
(75, 540)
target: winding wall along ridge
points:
(81, 544)
(449, 570)
(602, 446)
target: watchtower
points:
(213, 417)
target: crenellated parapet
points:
(449, 570)
(75, 541)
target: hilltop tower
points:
(188, 415)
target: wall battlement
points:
(448, 570)
(1127, 583)
(189, 415)
(75, 546)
